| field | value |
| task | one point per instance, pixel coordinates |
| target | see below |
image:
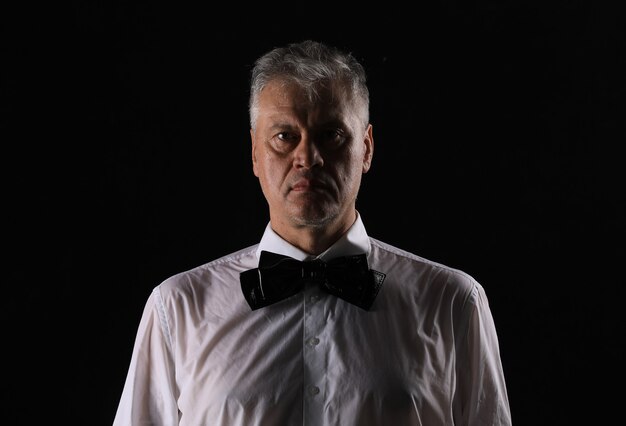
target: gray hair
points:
(309, 64)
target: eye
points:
(332, 137)
(284, 141)
(288, 137)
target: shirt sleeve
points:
(149, 393)
(481, 396)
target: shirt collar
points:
(354, 241)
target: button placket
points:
(313, 341)
(313, 354)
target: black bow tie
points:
(279, 277)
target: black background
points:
(498, 132)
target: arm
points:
(149, 394)
(481, 396)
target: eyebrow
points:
(281, 126)
(285, 125)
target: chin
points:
(318, 219)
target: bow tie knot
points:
(314, 270)
(279, 277)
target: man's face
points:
(309, 156)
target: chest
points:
(315, 357)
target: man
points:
(360, 333)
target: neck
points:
(313, 239)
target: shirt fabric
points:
(425, 354)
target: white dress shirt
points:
(425, 354)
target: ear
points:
(368, 140)
(254, 163)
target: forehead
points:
(286, 97)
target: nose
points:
(307, 154)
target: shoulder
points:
(412, 270)
(222, 272)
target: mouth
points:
(308, 185)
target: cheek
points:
(348, 176)
(353, 166)
(271, 173)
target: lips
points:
(306, 184)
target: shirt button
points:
(314, 390)
(313, 341)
